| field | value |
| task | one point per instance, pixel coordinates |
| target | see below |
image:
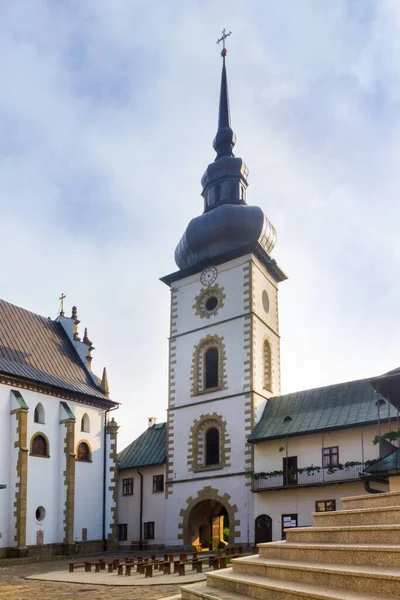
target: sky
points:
(108, 109)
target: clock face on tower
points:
(209, 275)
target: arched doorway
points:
(208, 522)
(263, 529)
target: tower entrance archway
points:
(206, 516)
(207, 521)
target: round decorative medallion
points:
(265, 301)
(209, 275)
(209, 301)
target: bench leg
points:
(71, 568)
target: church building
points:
(58, 441)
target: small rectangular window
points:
(84, 534)
(325, 505)
(330, 456)
(148, 532)
(122, 532)
(127, 486)
(158, 483)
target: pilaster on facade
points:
(67, 437)
(112, 479)
(19, 431)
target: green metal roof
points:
(389, 463)
(321, 409)
(149, 449)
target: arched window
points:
(83, 452)
(38, 415)
(39, 445)
(211, 359)
(217, 194)
(267, 366)
(212, 446)
(85, 423)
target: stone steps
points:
(375, 555)
(388, 515)
(350, 554)
(223, 585)
(378, 580)
(371, 501)
(361, 534)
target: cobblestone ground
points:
(13, 586)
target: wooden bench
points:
(75, 565)
(197, 566)
(148, 570)
(166, 567)
(139, 544)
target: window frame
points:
(122, 532)
(156, 483)
(325, 502)
(148, 530)
(333, 451)
(127, 486)
(206, 447)
(78, 458)
(47, 446)
(207, 388)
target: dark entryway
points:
(263, 529)
(290, 470)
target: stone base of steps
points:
(374, 555)
(360, 579)
(371, 500)
(360, 534)
(224, 585)
(358, 516)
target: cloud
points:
(107, 115)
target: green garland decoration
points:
(312, 469)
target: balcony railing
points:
(293, 480)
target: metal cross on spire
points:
(62, 298)
(222, 39)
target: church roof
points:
(320, 409)
(37, 349)
(149, 449)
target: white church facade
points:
(57, 439)
(240, 462)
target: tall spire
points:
(225, 138)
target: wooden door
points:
(263, 529)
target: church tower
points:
(224, 358)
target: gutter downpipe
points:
(105, 474)
(141, 510)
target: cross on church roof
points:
(62, 298)
(222, 39)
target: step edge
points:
(293, 586)
(352, 511)
(332, 568)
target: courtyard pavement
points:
(15, 586)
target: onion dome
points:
(227, 222)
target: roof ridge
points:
(26, 310)
(322, 387)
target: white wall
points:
(89, 476)
(153, 504)
(355, 444)
(300, 501)
(45, 475)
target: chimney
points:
(152, 421)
